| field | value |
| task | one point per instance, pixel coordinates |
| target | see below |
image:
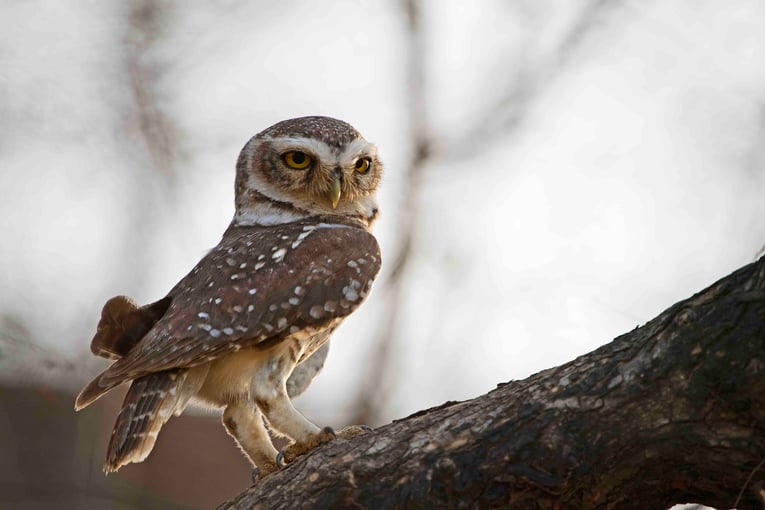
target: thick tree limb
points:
(671, 412)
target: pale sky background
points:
(583, 180)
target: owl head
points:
(307, 166)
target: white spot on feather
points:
(331, 225)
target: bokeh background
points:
(558, 172)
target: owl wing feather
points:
(123, 324)
(259, 285)
(149, 403)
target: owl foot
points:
(260, 472)
(296, 449)
(327, 434)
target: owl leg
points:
(270, 393)
(289, 421)
(244, 423)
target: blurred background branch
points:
(380, 377)
(526, 72)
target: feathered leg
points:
(269, 390)
(244, 423)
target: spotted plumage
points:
(248, 327)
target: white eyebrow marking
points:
(356, 148)
(326, 153)
(317, 148)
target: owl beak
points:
(334, 191)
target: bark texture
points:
(671, 412)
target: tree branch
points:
(668, 413)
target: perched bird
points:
(248, 327)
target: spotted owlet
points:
(248, 327)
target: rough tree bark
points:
(671, 412)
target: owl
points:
(248, 327)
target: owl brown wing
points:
(259, 285)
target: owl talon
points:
(329, 430)
(261, 471)
(297, 449)
(280, 460)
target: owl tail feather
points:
(149, 403)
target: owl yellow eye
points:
(362, 165)
(297, 159)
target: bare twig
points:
(155, 128)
